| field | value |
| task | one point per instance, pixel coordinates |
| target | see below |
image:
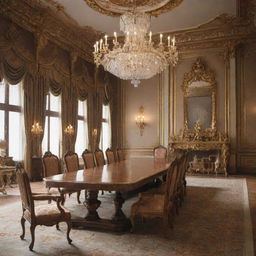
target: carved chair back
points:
(120, 155)
(99, 156)
(71, 161)
(171, 184)
(88, 159)
(160, 152)
(51, 164)
(25, 190)
(110, 156)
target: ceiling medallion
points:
(137, 58)
(118, 7)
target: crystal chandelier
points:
(137, 58)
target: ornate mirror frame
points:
(199, 73)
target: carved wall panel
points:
(246, 98)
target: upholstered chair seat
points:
(48, 213)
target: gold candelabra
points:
(140, 120)
(69, 130)
(36, 129)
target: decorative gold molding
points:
(116, 8)
(37, 19)
(199, 72)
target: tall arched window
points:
(82, 128)
(105, 141)
(11, 119)
(52, 128)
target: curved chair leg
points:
(22, 221)
(77, 197)
(68, 231)
(57, 226)
(32, 230)
(63, 198)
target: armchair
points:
(47, 215)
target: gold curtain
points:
(35, 90)
(69, 112)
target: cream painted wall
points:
(146, 95)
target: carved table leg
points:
(118, 201)
(92, 204)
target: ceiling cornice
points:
(32, 16)
(116, 8)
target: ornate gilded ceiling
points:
(118, 7)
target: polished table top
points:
(120, 176)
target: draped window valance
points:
(43, 66)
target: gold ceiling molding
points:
(32, 16)
(118, 7)
(225, 31)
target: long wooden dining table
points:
(121, 176)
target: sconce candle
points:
(36, 129)
(94, 132)
(140, 120)
(69, 130)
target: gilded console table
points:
(221, 146)
(6, 174)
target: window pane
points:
(15, 136)
(47, 102)
(2, 91)
(54, 135)
(45, 139)
(54, 103)
(106, 129)
(1, 125)
(81, 108)
(14, 94)
(81, 139)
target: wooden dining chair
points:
(120, 155)
(88, 158)
(51, 164)
(110, 156)
(99, 157)
(72, 165)
(160, 152)
(89, 162)
(48, 215)
(157, 205)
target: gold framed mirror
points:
(199, 90)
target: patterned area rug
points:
(214, 221)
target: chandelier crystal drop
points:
(137, 58)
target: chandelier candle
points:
(137, 58)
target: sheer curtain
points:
(12, 112)
(105, 141)
(52, 130)
(82, 128)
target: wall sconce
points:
(94, 132)
(140, 120)
(36, 129)
(69, 130)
